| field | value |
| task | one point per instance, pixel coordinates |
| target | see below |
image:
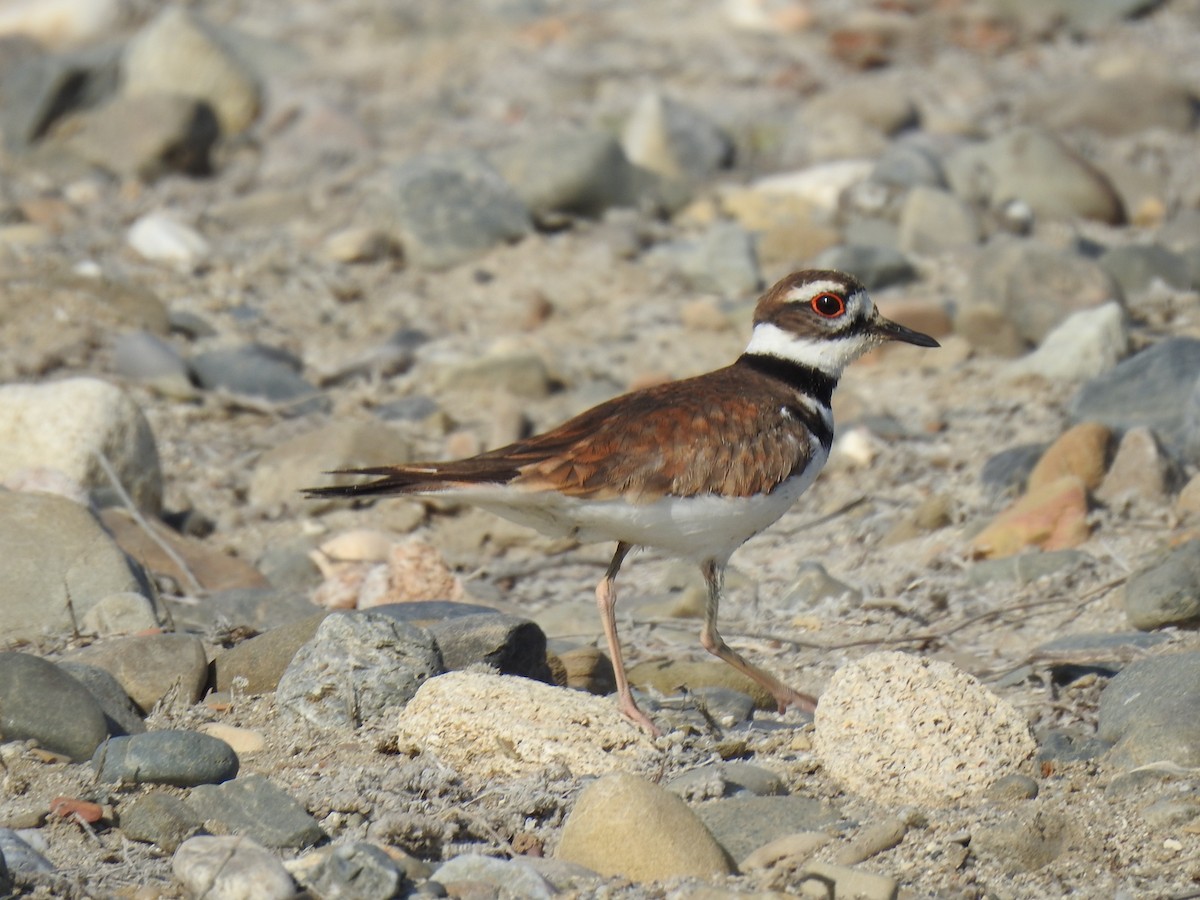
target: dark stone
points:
(254, 807)
(181, 758)
(39, 700)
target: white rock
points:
(820, 185)
(59, 23)
(160, 236)
(231, 868)
(125, 612)
(463, 717)
(900, 729)
(1087, 343)
(66, 425)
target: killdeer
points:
(694, 468)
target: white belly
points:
(694, 528)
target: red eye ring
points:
(828, 305)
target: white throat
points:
(829, 356)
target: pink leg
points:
(711, 640)
(606, 600)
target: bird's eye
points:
(828, 306)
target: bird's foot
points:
(634, 714)
(786, 696)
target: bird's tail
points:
(418, 478)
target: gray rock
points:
(1025, 844)
(723, 260)
(743, 824)
(509, 644)
(1151, 388)
(1166, 592)
(159, 818)
(510, 877)
(907, 164)
(675, 140)
(181, 758)
(67, 425)
(876, 99)
(876, 266)
(522, 373)
(1171, 814)
(1025, 568)
(23, 861)
(1125, 104)
(1004, 309)
(451, 208)
(126, 612)
(1141, 472)
(149, 666)
(177, 52)
(1152, 711)
(253, 806)
(256, 665)
(1135, 267)
(1070, 746)
(814, 584)
(146, 136)
(1033, 166)
(299, 462)
(260, 372)
(231, 868)
(39, 700)
(59, 563)
(38, 91)
(568, 171)
(845, 881)
(1012, 787)
(727, 779)
(121, 714)
(354, 668)
(727, 707)
(1085, 344)
(143, 356)
(353, 871)
(1007, 471)
(935, 221)
(1110, 650)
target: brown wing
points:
(698, 436)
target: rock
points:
(1053, 517)
(461, 717)
(788, 853)
(872, 840)
(1166, 592)
(1135, 267)
(45, 588)
(820, 186)
(1188, 502)
(181, 758)
(292, 464)
(359, 244)
(668, 676)
(259, 372)
(39, 700)
(935, 221)
(1027, 843)
(1082, 451)
(813, 585)
(675, 140)
(1150, 388)
(727, 779)
(1004, 309)
(353, 870)
(121, 715)
(510, 877)
(150, 666)
(255, 666)
(1141, 471)
(1085, 344)
(877, 100)
(159, 818)
(1014, 787)
(413, 571)
(60, 23)
(1035, 167)
(901, 729)
(721, 261)
(144, 356)
(146, 136)
(355, 667)
(68, 425)
(1007, 471)
(1070, 746)
(450, 208)
(1025, 568)
(244, 741)
(231, 868)
(509, 644)
(160, 237)
(587, 669)
(876, 267)
(568, 171)
(253, 806)
(787, 226)
(821, 879)
(1117, 105)
(177, 52)
(520, 373)
(24, 862)
(743, 824)
(40, 90)
(1152, 711)
(623, 825)
(907, 164)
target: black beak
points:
(896, 332)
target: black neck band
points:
(805, 379)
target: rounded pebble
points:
(181, 758)
(231, 868)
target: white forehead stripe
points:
(804, 292)
(829, 355)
